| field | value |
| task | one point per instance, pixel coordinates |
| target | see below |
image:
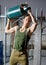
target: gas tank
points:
(17, 11)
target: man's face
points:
(26, 21)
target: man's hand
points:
(10, 20)
(29, 12)
(25, 4)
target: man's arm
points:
(8, 29)
(34, 23)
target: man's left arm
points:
(34, 23)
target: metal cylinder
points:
(17, 11)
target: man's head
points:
(27, 21)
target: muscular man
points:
(18, 54)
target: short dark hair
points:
(26, 15)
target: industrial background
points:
(37, 43)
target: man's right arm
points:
(8, 29)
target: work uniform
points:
(18, 54)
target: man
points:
(18, 54)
